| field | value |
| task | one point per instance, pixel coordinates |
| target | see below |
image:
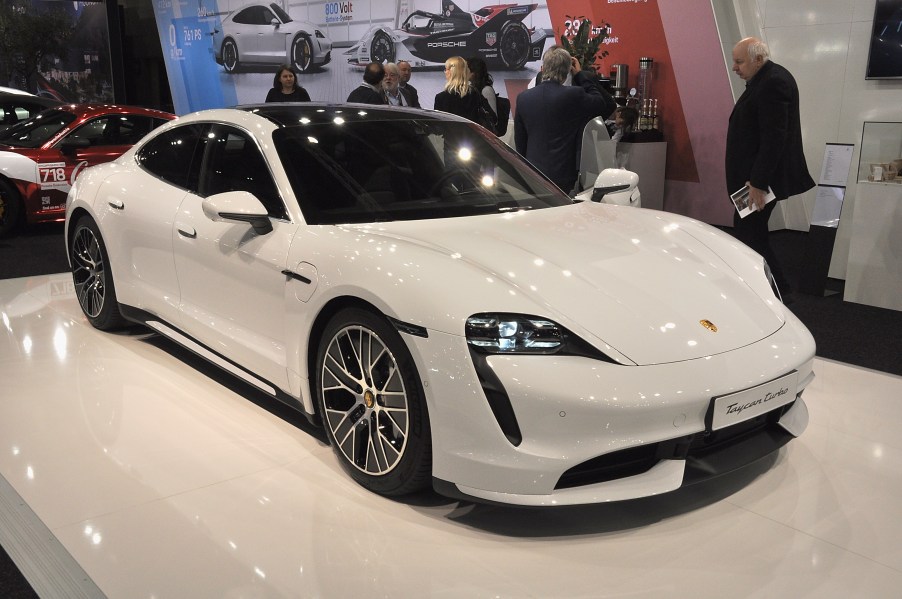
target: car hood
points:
(639, 281)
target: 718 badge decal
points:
(52, 175)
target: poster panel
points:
(225, 52)
(186, 31)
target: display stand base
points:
(817, 255)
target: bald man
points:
(764, 146)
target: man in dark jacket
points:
(409, 91)
(370, 91)
(764, 145)
(550, 118)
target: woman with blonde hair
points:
(459, 97)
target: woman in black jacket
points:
(459, 97)
(285, 87)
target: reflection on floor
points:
(157, 476)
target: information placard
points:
(837, 160)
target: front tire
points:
(302, 53)
(372, 405)
(92, 276)
(382, 49)
(230, 56)
(514, 47)
(10, 207)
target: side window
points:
(254, 15)
(127, 129)
(234, 163)
(174, 156)
(266, 16)
(245, 17)
(91, 131)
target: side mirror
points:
(71, 145)
(238, 206)
(617, 186)
(275, 23)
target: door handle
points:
(296, 276)
(186, 231)
(117, 204)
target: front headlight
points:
(505, 333)
(772, 281)
(513, 333)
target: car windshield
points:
(283, 16)
(37, 130)
(376, 171)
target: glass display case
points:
(880, 159)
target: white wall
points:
(824, 44)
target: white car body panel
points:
(17, 167)
(485, 257)
(633, 283)
(602, 408)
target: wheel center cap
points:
(369, 398)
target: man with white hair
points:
(550, 118)
(764, 146)
(391, 84)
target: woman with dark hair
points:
(459, 96)
(285, 87)
(482, 81)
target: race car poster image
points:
(225, 52)
(495, 33)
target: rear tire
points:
(302, 53)
(10, 207)
(92, 276)
(372, 405)
(229, 56)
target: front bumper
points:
(575, 412)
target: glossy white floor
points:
(156, 476)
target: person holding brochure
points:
(764, 147)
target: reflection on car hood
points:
(626, 277)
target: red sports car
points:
(42, 156)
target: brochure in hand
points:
(743, 202)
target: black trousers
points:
(752, 231)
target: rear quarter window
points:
(174, 155)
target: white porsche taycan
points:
(264, 34)
(447, 314)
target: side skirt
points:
(164, 328)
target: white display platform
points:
(157, 475)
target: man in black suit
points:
(764, 146)
(409, 91)
(550, 118)
(370, 91)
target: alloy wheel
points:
(88, 271)
(365, 400)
